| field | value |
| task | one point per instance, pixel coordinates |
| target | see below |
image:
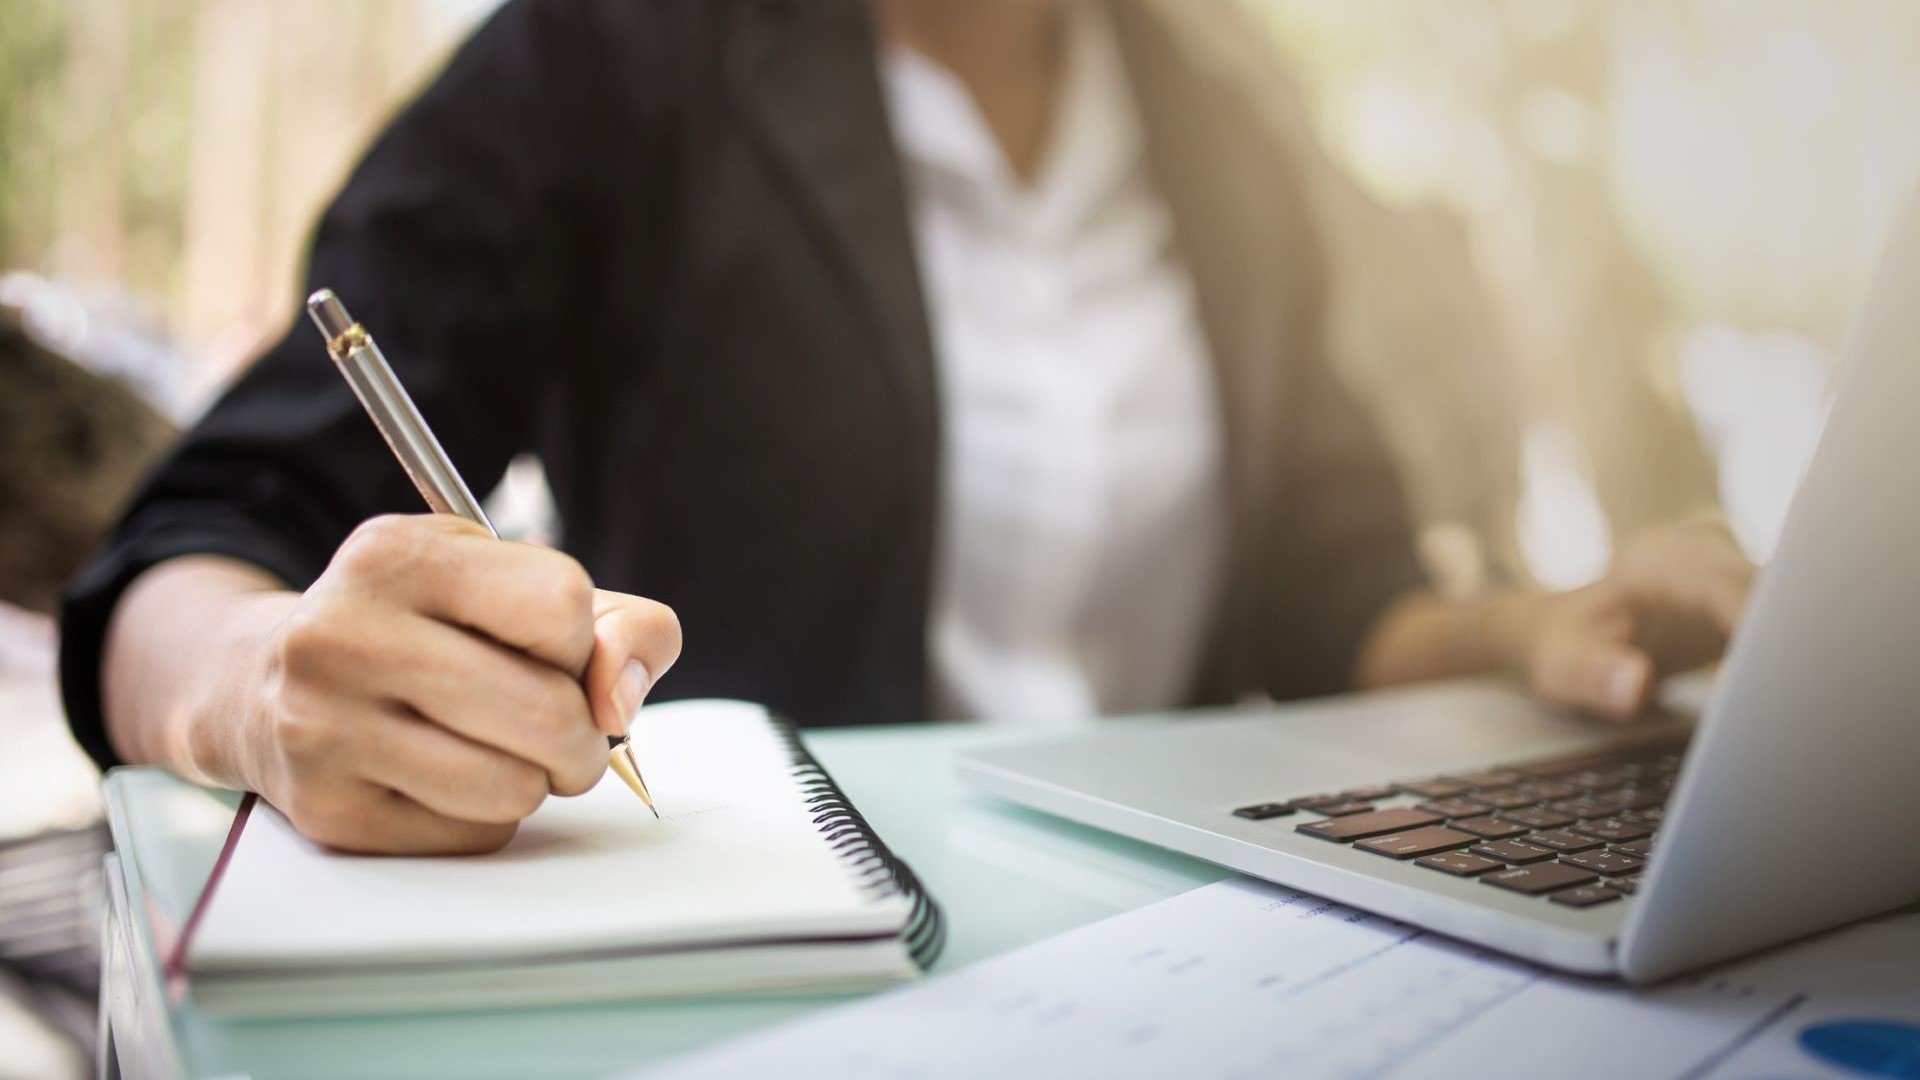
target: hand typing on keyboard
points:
(1668, 604)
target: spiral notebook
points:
(760, 876)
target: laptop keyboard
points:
(1574, 831)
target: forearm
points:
(184, 662)
(1425, 636)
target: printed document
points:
(1244, 979)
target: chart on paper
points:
(1245, 979)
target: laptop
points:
(1789, 805)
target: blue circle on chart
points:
(1872, 1047)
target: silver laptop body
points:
(1797, 807)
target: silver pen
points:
(420, 454)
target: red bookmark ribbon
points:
(176, 963)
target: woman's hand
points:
(423, 696)
(1669, 604)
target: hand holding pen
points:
(435, 684)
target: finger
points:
(369, 819)
(635, 641)
(1717, 593)
(1724, 595)
(534, 599)
(448, 775)
(1592, 665)
(1604, 678)
(489, 694)
(1700, 573)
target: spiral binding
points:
(877, 869)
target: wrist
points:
(223, 733)
(1509, 625)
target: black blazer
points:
(664, 244)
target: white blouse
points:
(1081, 528)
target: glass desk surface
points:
(1005, 876)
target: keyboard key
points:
(1652, 753)
(1582, 808)
(1340, 809)
(1308, 802)
(1652, 816)
(1639, 849)
(1263, 811)
(1437, 788)
(1371, 793)
(1604, 863)
(1489, 827)
(1539, 878)
(1585, 896)
(1595, 779)
(1628, 885)
(1417, 842)
(1490, 778)
(1459, 863)
(1506, 798)
(1457, 806)
(1562, 841)
(1614, 829)
(1360, 826)
(1630, 799)
(1538, 817)
(1542, 790)
(1560, 768)
(1511, 852)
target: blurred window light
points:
(1538, 21)
(35, 1047)
(1563, 532)
(1556, 124)
(48, 783)
(106, 328)
(1396, 137)
(458, 15)
(1760, 400)
(521, 506)
(1757, 151)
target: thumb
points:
(635, 641)
(1595, 667)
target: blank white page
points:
(735, 857)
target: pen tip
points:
(656, 811)
(622, 763)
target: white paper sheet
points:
(1243, 979)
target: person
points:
(929, 360)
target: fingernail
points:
(630, 691)
(1624, 685)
